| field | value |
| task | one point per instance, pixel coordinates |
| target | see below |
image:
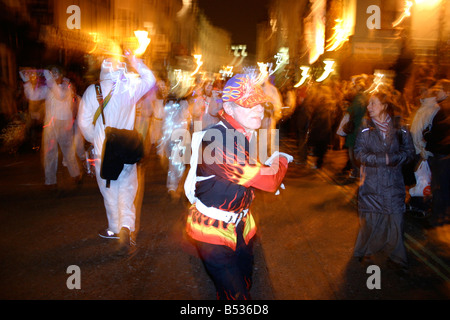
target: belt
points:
(225, 216)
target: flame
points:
(263, 73)
(282, 57)
(327, 70)
(95, 39)
(377, 81)
(341, 33)
(406, 13)
(226, 71)
(199, 63)
(305, 75)
(144, 41)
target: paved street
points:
(303, 252)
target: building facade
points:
(360, 36)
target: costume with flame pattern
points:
(221, 186)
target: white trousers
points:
(78, 141)
(58, 133)
(119, 197)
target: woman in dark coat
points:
(382, 146)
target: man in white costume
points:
(120, 112)
(35, 92)
(58, 127)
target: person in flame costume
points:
(224, 171)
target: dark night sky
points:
(239, 17)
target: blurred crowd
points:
(321, 116)
(326, 116)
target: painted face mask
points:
(242, 90)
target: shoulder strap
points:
(101, 103)
(98, 91)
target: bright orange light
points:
(95, 36)
(339, 37)
(305, 75)
(226, 71)
(427, 4)
(327, 70)
(319, 41)
(263, 73)
(199, 62)
(316, 30)
(186, 6)
(144, 41)
(406, 13)
(377, 81)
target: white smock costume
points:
(120, 112)
(58, 128)
(174, 139)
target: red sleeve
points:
(269, 178)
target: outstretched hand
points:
(131, 58)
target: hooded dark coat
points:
(382, 188)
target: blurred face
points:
(113, 64)
(376, 109)
(248, 118)
(33, 77)
(56, 74)
(162, 88)
(208, 89)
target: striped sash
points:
(102, 103)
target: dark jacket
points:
(382, 188)
(438, 136)
(357, 110)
